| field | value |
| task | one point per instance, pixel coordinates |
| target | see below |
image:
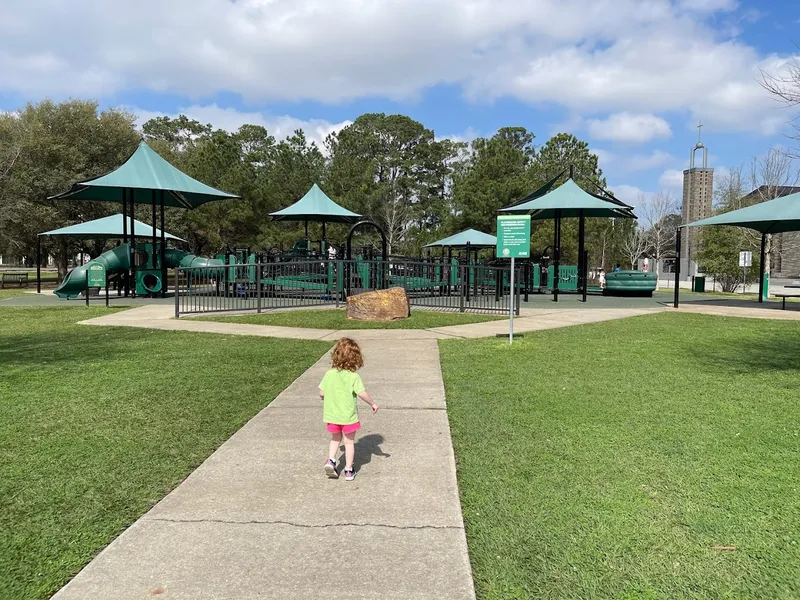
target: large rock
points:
(381, 305)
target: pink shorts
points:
(352, 428)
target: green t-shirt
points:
(341, 389)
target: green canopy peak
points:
(773, 216)
(315, 206)
(569, 200)
(108, 227)
(147, 177)
(476, 239)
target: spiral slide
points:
(118, 259)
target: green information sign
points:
(514, 236)
(96, 275)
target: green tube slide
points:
(118, 259)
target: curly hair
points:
(347, 356)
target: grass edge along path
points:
(100, 423)
(624, 459)
(336, 319)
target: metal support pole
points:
(585, 259)
(676, 300)
(464, 269)
(153, 256)
(38, 264)
(177, 295)
(581, 248)
(762, 268)
(511, 311)
(125, 235)
(556, 253)
(162, 251)
(259, 277)
(133, 239)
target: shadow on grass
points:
(75, 346)
(773, 347)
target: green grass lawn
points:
(616, 460)
(98, 424)
(336, 319)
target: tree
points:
(635, 244)
(660, 215)
(785, 88)
(720, 245)
(390, 168)
(719, 255)
(56, 145)
(494, 174)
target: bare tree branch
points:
(635, 245)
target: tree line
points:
(389, 168)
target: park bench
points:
(18, 278)
(783, 297)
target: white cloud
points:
(466, 136)
(604, 157)
(229, 119)
(627, 127)
(639, 56)
(632, 163)
(630, 194)
(707, 6)
(672, 179)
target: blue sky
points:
(632, 77)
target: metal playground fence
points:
(269, 286)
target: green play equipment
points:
(148, 280)
(567, 278)
(633, 283)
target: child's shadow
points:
(366, 447)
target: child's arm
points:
(368, 399)
(321, 394)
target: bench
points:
(784, 297)
(18, 278)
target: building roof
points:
(108, 227)
(147, 175)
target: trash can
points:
(699, 284)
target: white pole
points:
(511, 312)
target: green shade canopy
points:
(774, 216)
(146, 174)
(315, 206)
(476, 239)
(571, 200)
(108, 227)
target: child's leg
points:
(349, 449)
(333, 448)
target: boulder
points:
(380, 305)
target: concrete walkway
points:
(259, 519)
(161, 317)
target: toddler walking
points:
(339, 390)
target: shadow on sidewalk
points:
(366, 447)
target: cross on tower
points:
(699, 131)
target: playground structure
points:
(306, 274)
(117, 262)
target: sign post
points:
(513, 241)
(745, 260)
(96, 278)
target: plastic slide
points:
(118, 259)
